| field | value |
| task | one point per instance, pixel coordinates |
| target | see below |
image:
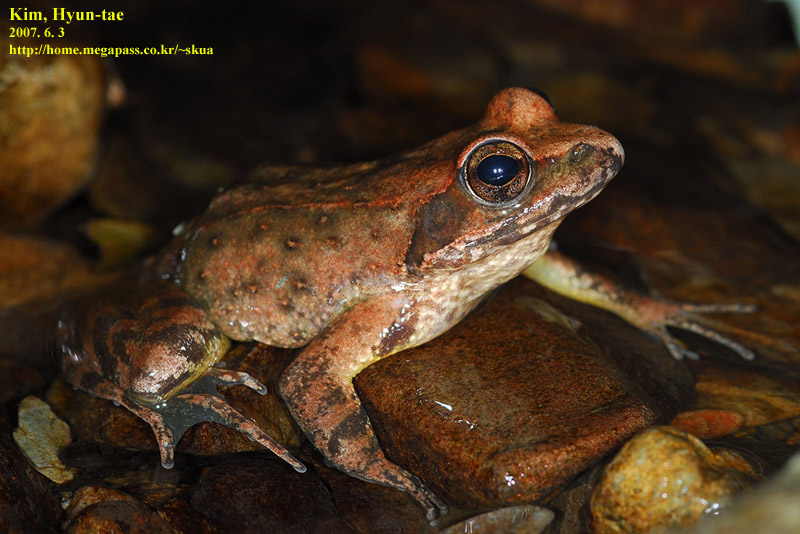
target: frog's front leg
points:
(318, 389)
(154, 355)
(652, 315)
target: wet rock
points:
(759, 398)
(98, 420)
(41, 435)
(28, 502)
(90, 495)
(665, 22)
(644, 360)
(372, 508)
(130, 187)
(50, 112)
(99, 509)
(34, 269)
(708, 424)
(521, 519)
(783, 431)
(506, 406)
(571, 503)
(36, 276)
(27, 338)
(770, 507)
(760, 145)
(17, 381)
(665, 478)
(178, 513)
(259, 494)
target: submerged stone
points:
(507, 406)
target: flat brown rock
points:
(505, 407)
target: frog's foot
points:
(162, 431)
(200, 402)
(332, 416)
(563, 275)
(655, 316)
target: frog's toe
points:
(676, 347)
(210, 407)
(689, 316)
(700, 329)
(385, 472)
(679, 351)
(719, 308)
(163, 433)
(434, 506)
(440, 507)
(227, 377)
(167, 455)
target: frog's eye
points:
(497, 171)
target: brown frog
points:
(353, 263)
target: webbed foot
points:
(651, 314)
(655, 316)
(200, 401)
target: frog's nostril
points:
(580, 152)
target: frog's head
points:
(519, 172)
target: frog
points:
(350, 264)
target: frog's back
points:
(276, 258)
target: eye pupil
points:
(497, 169)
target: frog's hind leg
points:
(153, 353)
